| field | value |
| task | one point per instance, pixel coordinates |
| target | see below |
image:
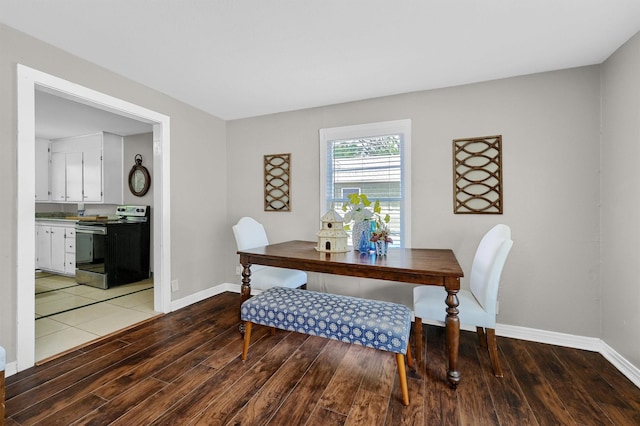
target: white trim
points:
(27, 80)
(550, 337)
(203, 295)
(369, 130)
(621, 363)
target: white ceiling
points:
(57, 117)
(242, 58)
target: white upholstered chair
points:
(249, 234)
(478, 306)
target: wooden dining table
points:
(414, 266)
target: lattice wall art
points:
(277, 178)
(477, 175)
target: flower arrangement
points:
(382, 232)
(359, 209)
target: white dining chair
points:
(249, 234)
(478, 306)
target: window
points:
(371, 159)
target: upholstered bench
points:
(372, 323)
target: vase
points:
(357, 230)
(381, 248)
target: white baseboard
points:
(203, 295)
(593, 344)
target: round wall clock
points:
(139, 178)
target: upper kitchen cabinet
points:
(87, 169)
(42, 169)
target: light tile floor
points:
(69, 315)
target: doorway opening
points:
(28, 80)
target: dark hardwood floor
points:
(185, 368)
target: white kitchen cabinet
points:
(70, 251)
(42, 169)
(43, 247)
(55, 248)
(67, 176)
(87, 169)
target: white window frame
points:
(402, 127)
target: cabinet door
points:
(70, 264)
(74, 177)
(92, 174)
(58, 176)
(42, 170)
(43, 247)
(57, 249)
(70, 251)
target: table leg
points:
(245, 290)
(452, 323)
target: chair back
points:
(249, 234)
(487, 266)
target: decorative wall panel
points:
(477, 175)
(277, 178)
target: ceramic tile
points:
(86, 314)
(46, 326)
(56, 283)
(60, 332)
(135, 299)
(60, 341)
(50, 296)
(80, 290)
(116, 320)
(62, 304)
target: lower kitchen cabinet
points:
(56, 248)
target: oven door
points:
(90, 253)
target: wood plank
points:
(247, 386)
(151, 408)
(264, 404)
(601, 391)
(209, 392)
(574, 397)
(368, 409)
(297, 408)
(108, 412)
(380, 372)
(284, 382)
(342, 389)
(475, 407)
(323, 417)
(510, 404)
(545, 402)
(441, 407)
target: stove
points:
(116, 250)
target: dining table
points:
(424, 266)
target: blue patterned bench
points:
(372, 323)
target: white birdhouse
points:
(332, 237)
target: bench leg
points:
(403, 379)
(247, 339)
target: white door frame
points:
(27, 80)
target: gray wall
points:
(550, 125)
(620, 245)
(198, 141)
